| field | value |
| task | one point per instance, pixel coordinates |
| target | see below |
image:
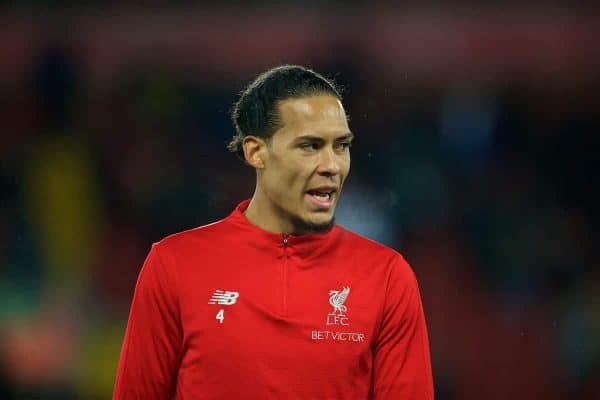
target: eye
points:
(309, 146)
(344, 145)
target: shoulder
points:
(200, 233)
(195, 238)
(363, 245)
(379, 254)
(172, 256)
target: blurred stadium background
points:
(476, 157)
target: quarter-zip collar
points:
(304, 246)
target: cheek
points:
(294, 175)
(344, 167)
(288, 180)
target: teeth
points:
(322, 196)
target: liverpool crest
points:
(337, 299)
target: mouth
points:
(322, 198)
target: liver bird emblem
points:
(337, 299)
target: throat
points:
(264, 215)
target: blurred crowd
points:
(486, 185)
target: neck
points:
(262, 213)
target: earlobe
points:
(254, 151)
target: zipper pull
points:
(285, 240)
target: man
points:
(276, 301)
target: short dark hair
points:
(255, 112)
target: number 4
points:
(220, 315)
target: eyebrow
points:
(347, 136)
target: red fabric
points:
(274, 342)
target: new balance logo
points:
(224, 298)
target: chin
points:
(320, 225)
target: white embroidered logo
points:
(337, 299)
(226, 298)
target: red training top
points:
(229, 310)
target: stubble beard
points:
(302, 226)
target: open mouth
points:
(322, 198)
(319, 195)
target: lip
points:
(324, 188)
(320, 204)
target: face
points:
(306, 163)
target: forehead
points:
(318, 114)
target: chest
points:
(280, 315)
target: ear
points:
(255, 151)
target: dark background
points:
(475, 156)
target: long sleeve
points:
(151, 350)
(402, 364)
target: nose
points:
(328, 163)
